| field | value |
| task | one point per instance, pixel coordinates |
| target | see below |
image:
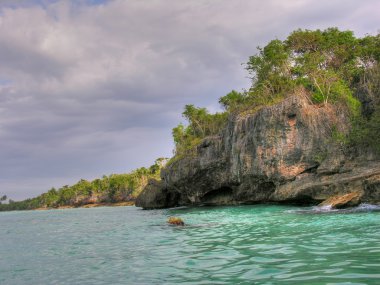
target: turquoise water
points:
(222, 245)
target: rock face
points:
(156, 196)
(281, 153)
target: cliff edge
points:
(282, 153)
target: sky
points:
(94, 87)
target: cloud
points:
(94, 87)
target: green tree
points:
(270, 71)
(232, 100)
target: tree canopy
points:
(331, 66)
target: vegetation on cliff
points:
(330, 66)
(108, 189)
(201, 124)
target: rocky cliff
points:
(281, 153)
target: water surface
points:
(262, 244)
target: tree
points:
(196, 117)
(270, 70)
(232, 100)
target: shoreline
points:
(93, 205)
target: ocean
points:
(257, 244)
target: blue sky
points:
(94, 87)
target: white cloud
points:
(93, 89)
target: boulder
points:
(176, 221)
(343, 201)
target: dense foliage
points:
(366, 129)
(201, 124)
(108, 189)
(330, 66)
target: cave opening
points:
(220, 196)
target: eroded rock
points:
(282, 153)
(156, 196)
(256, 154)
(343, 201)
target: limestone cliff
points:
(281, 153)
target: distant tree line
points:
(108, 189)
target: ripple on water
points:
(220, 245)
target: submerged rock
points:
(176, 221)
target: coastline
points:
(93, 205)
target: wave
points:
(328, 209)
